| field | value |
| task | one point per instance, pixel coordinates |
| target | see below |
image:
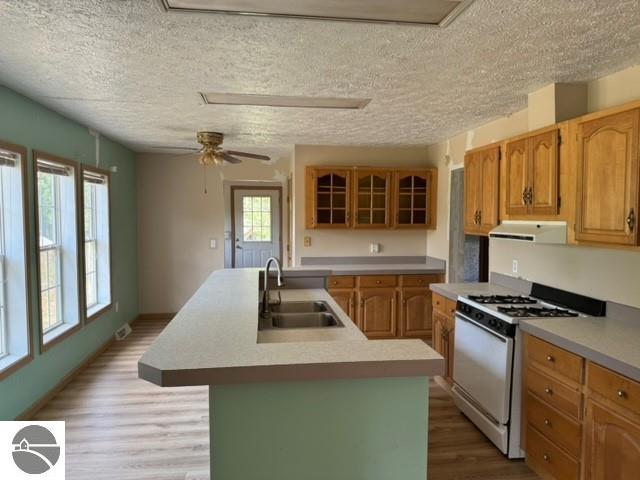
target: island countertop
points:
(214, 340)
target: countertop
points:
(214, 339)
(612, 341)
(431, 266)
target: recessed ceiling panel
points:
(424, 12)
(284, 101)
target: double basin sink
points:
(288, 315)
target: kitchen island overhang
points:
(379, 389)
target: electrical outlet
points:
(307, 241)
(374, 248)
(514, 266)
(213, 243)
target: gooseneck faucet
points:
(265, 311)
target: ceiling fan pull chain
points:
(205, 178)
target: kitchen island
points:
(304, 403)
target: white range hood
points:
(533, 232)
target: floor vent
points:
(122, 332)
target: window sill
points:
(58, 334)
(97, 310)
(10, 363)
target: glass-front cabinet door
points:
(372, 198)
(328, 198)
(415, 199)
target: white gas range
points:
(487, 369)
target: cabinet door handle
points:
(547, 422)
(548, 391)
(524, 196)
(550, 359)
(631, 220)
(622, 394)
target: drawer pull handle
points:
(547, 422)
(550, 359)
(378, 282)
(548, 391)
(622, 394)
(546, 457)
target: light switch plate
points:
(375, 248)
(514, 266)
(213, 243)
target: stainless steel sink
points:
(300, 315)
(304, 320)
(300, 307)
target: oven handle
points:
(479, 325)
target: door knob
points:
(238, 247)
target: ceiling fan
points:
(211, 152)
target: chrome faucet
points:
(265, 311)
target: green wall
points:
(360, 429)
(27, 123)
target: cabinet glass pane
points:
(379, 201)
(339, 216)
(419, 217)
(364, 217)
(324, 200)
(405, 201)
(379, 217)
(364, 201)
(339, 200)
(324, 216)
(339, 182)
(420, 201)
(404, 217)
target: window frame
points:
(24, 159)
(39, 155)
(105, 308)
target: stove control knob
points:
(493, 323)
(479, 316)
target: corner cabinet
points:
(481, 190)
(531, 174)
(328, 198)
(608, 179)
(373, 198)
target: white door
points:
(257, 226)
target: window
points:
(57, 245)
(97, 259)
(15, 341)
(256, 219)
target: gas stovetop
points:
(537, 311)
(502, 299)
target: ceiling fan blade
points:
(229, 158)
(160, 147)
(249, 155)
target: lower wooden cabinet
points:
(415, 312)
(387, 306)
(444, 331)
(377, 315)
(579, 426)
(612, 444)
(346, 299)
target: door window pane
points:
(256, 216)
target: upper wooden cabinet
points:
(481, 187)
(357, 197)
(328, 199)
(415, 198)
(372, 198)
(607, 187)
(531, 174)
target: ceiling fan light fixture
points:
(209, 158)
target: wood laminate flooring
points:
(121, 427)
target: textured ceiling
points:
(132, 71)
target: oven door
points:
(482, 367)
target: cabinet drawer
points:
(440, 303)
(374, 281)
(341, 282)
(544, 455)
(556, 393)
(555, 359)
(619, 389)
(418, 280)
(557, 427)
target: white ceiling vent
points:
(420, 12)
(284, 101)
